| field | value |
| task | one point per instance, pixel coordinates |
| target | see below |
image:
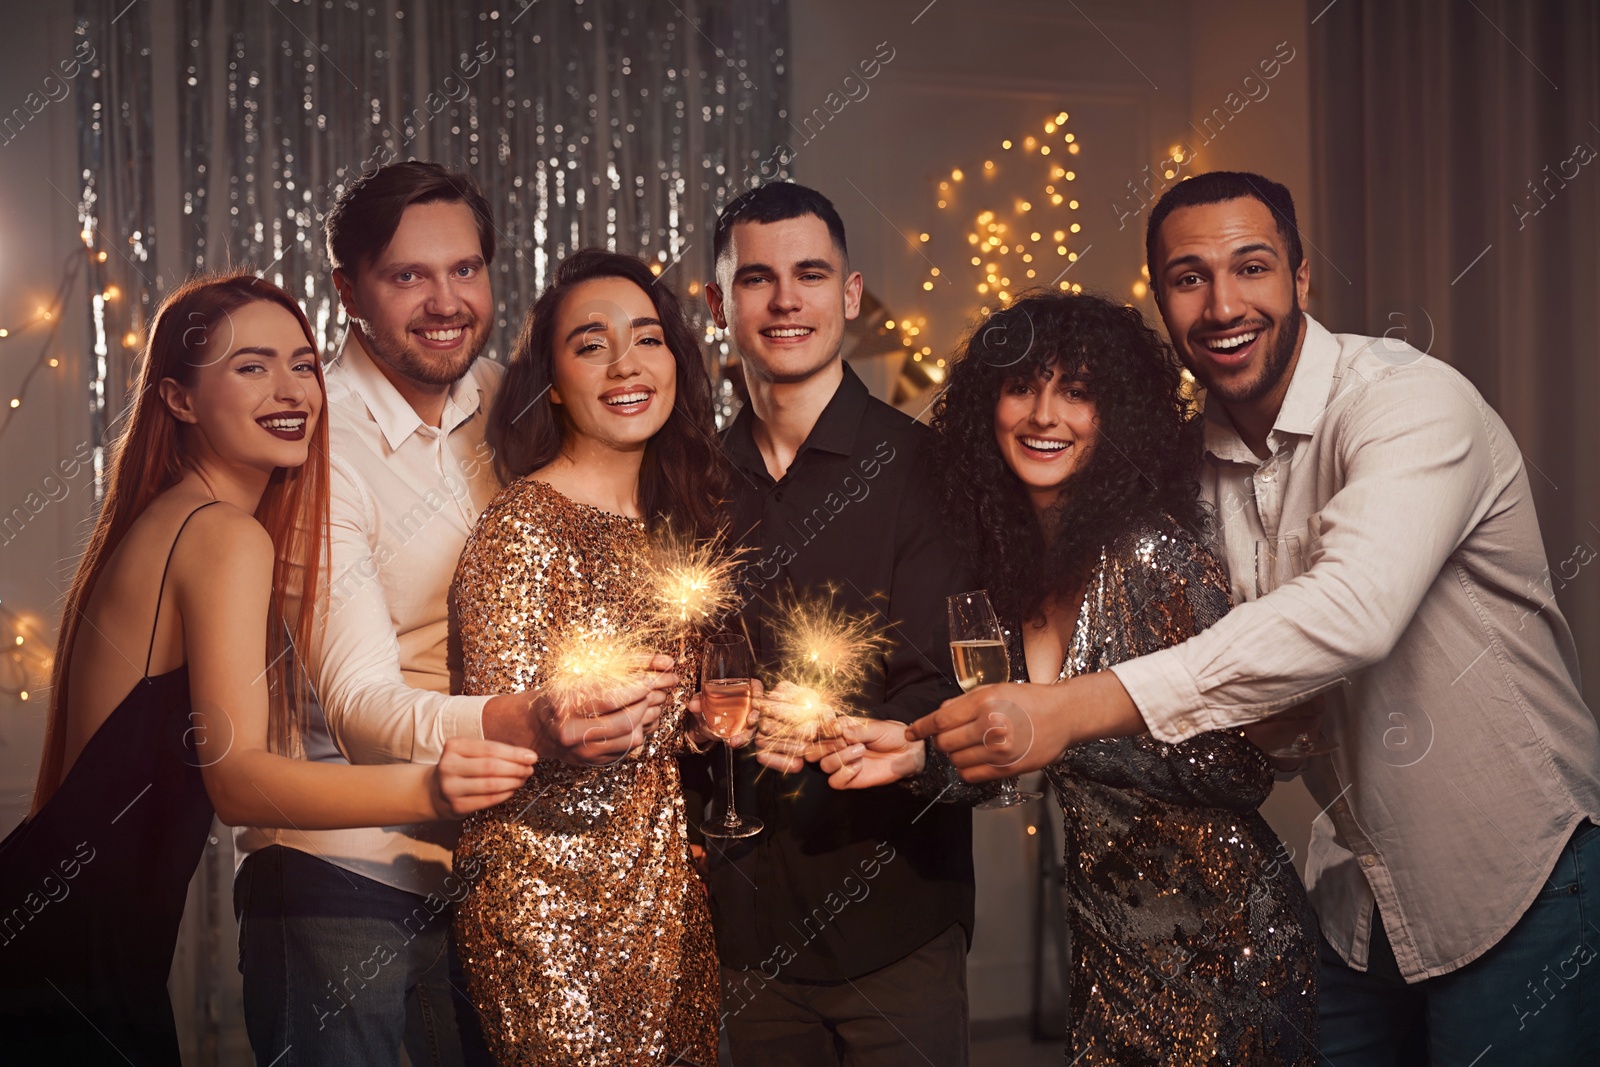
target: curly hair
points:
(1142, 468)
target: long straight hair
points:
(149, 458)
(684, 476)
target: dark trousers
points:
(344, 971)
(1531, 1000)
(912, 1012)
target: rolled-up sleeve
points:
(1418, 458)
(372, 714)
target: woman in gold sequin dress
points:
(1069, 472)
(586, 935)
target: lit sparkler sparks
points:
(797, 713)
(691, 582)
(824, 654)
(585, 664)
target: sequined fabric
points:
(586, 937)
(1193, 941)
(1192, 938)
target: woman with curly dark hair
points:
(1068, 461)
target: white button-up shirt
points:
(404, 498)
(1419, 600)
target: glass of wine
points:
(978, 649)
(1280, 560)
(726, 669)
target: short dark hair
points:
(775, 202)
(364, 218)
(1214, 188)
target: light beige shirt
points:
(1422, 607)
(404, 497)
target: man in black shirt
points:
(843, 927)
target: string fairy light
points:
(26, 656)
(50, 315)
(1031, 243)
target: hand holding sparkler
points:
(602, 696)
(868, 753)
(793, 719)
(824, 655)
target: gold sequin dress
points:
(1193, 940)
(585, 935)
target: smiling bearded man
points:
(1459, 838)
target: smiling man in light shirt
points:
(345, 935)
(1456, 865)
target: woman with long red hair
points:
(176, 691)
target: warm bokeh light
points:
(994, 236)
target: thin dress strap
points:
(162, 588)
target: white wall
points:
(965, 76)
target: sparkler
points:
(585, 664)
(691, 582)
(824, 654)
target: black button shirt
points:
(842, 883)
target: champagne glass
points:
(1280, 560)
(726, 669)
(978, 649)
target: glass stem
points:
(730, 815)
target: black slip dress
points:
(92, 887)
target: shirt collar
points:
(1303, 405)
(393, 413)
(834, 431)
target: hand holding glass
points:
(727, 668)
(978, 649)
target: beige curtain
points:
(1456, 147)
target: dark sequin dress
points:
(586, 935)
(1193, 940)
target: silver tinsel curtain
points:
(620, 123)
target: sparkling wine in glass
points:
(978, 649)
(726, 670)
(1280, 560)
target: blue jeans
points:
(342, 970)
(1531, 1000)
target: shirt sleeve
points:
(1419, 463)
(1169, 590)
(372, 714)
